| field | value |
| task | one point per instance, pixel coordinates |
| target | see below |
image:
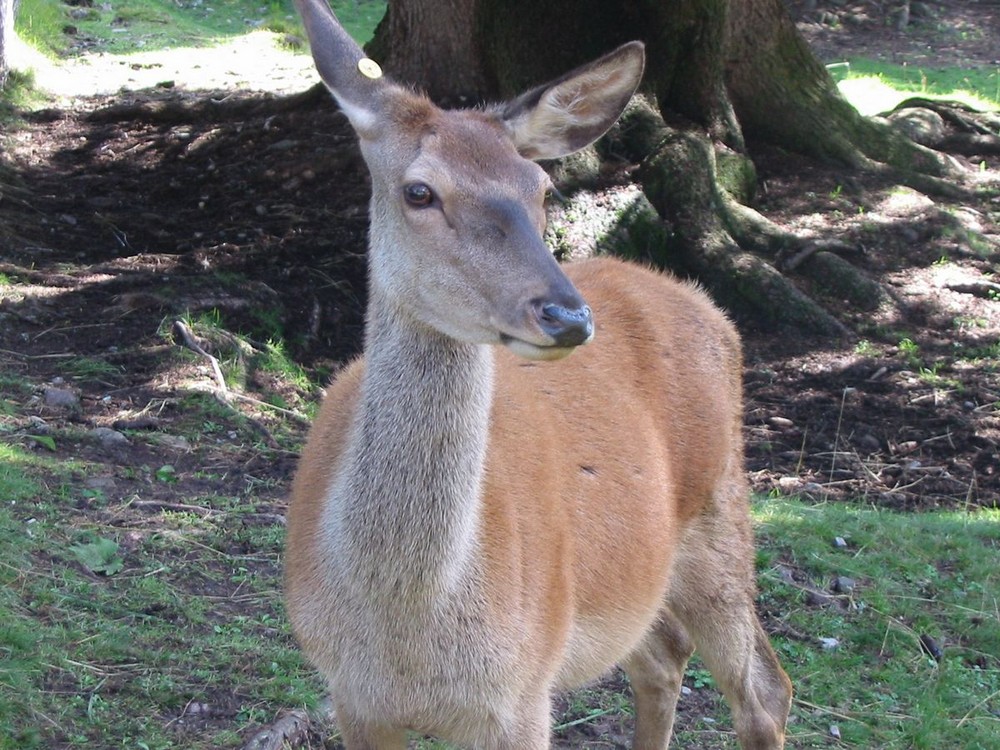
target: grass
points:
(18, 94)
(921, 578)
(132, 25)
(109, 635)
(873, 86)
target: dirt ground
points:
(123, 213)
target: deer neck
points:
(410, 511)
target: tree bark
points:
(7, 8)
(784, 96)
(431, 43)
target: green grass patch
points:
(160, 637)
(19, 93)
(91, 369)
(873, 86)
(16, 482)
(248, 365)
(917, 660)
(40, 23)
(133, 25)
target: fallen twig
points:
(192, 343)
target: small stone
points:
(818, 599)
(931, 647)
(789, 483)
(843, 585)
(99, 483)
(828, 644)
(869, 443)
(60, 398)
(108, 438)
(782, 423)
(835, 731)
(839, 542)
(176, 442)
(685, 690)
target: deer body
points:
(473, 527)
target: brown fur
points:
(470, 531)
(607, 473)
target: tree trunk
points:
(6, 37)
(719, 73)
(783, 95)
(431, 43)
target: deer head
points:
(458, 202)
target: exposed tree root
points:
(700, 190)
(948, 125)
(984, 289)
(725, 244)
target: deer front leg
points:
(529, 729)
(655, 670)
(360, 735)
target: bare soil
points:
(122, 213)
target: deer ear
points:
(355, 81)
(575, 110)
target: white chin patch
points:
(530, 351)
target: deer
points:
(534, 472)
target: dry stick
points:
(61, 355)
(836, 437)
(193, 344)
(225, 394)
(981, 703)
(281, 410)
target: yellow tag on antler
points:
(369, 68)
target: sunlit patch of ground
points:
(258, 61)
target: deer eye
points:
(418, 195)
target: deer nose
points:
(567, 327)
